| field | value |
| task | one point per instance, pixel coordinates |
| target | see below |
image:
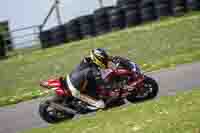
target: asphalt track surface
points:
(23, 116)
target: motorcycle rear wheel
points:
(52, 115)
(151, 89)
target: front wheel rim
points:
(148, 89)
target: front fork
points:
(138, 85)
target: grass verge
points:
(153, 46)
(168, 114)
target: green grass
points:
(171, 114)
(153, 46)
(24, 51)
(1, 28)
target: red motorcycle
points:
(123, 84)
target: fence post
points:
(186, 5)
(2, 47)
(41, 38)
(179, 7)
(197, 4)
(172, 7)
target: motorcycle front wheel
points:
(150, 91)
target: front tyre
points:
(150, 91)
(151, 87)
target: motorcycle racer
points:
(83, 80)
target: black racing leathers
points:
(86, 71)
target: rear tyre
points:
(51, 115)
(151, 89)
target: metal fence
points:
(25, 37)
(21, 38)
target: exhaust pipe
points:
(60, 107)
